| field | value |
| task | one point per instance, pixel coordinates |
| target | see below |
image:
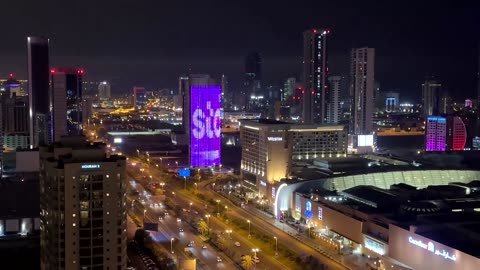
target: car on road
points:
(204, 247)
(179, 220)
(219, 259)
(190, 244)
(180, 229)
(237, 244)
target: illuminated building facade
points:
(82, 206)
(445, 134)
(139, 97)
(202, 119)
(315, 72)
(436, 134)
(269, 147)
(66, 102)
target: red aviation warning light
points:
(52, 71)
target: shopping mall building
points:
(407, 217)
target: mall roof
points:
(265, 121)
(460, 230)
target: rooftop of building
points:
(459, 230)
(264, 121)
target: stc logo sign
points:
(207, 123)
(205, 126)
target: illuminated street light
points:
(255, 250)
(171, 244)
(249, 235)
(276, 245)
(208, 219)
(138, 153)
(218, 207)
(190, 206)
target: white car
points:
(219, 259)
(179, 220)
(237, 244)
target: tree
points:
(202, 227)
(247, 261)
(141, 236)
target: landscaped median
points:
(266, 243)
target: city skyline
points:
(154, 53)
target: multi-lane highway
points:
(266, 262)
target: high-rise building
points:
(253, 79)
(446, 134)
(434, 98)
(436, 134)
(139, 97)
(315, 73)
(38, 78)
(289, 88)
(362, 72)
(202, 119)
(392, 101)
(270, 147)
(104, 91)
(333, 105)
(66, 102)
(82, 206)
(226, 95)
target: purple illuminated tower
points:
(204, 122)
(436, 134)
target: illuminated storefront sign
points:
(274, 139)
(205, 126)
(320, 213)
(431, 247)
(90, 166)
(308, 210)
(374, 246)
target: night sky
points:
(152, 42)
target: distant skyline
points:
(151, 43)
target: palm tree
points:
(202, 227)
(247, 261)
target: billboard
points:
(205, 125)
(184, 172)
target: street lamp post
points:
(249, 235)
(171, 245)
(208, 219)
(276, 246)
(144, 212)
(161, 161)
(218, 207)
(190, 207)
(162, 184)
(184, 182)
(138, 153)
(213, 186)
(255, 250)
(229, 236)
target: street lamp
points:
(213, 186)
(138, 153)
(218, 207)
(190, 207)
(249, 235)
(171, 244)
(176, 162)
(208, 219)
(255, 250)
(184, 182)
(276, 245)
(162, 184)
(161, 161)
(144, 212)
(229, 236)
